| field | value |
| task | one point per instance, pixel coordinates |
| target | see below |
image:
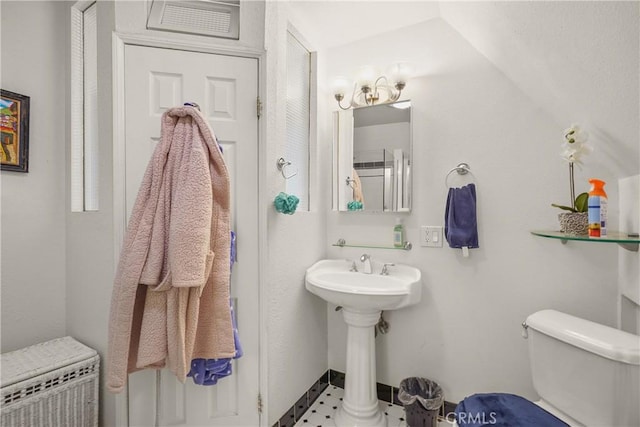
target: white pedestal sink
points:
(362, 297)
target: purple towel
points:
(209, 371)
(233, 257)
(460, 223)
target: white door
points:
(226, 89)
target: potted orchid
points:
(574, 147)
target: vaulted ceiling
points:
(577, 60)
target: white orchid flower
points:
(575, 135)
(575, 145)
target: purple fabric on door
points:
(209, 371)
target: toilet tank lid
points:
(603, 340)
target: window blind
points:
(84, 109)
(90, 109)
(298, 114)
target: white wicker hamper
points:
(54, 383)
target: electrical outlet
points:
(431, 236)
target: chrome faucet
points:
(385, 269)
(366, 259)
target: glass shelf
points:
(623, 239)
(341, 243)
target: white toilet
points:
(586, 374)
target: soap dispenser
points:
(398, 234)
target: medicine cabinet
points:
(372, 158)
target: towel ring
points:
(282, 165)
(462, 169)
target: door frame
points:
(119, 41)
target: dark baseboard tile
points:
(336, 378)
(317, 388)
(385, 392)
(448, 408)
(288, 419)
(294, 413)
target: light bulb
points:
(341, 85)
(367, 76)
(399, 72)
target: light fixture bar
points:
(369, 90)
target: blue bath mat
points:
(503, 410)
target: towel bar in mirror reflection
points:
(372, 156)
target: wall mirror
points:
(372, 149)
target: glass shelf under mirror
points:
(623, 239)
(343, 244)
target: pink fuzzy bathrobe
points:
(170, 301)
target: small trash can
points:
(422, 399)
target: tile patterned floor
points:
(320, 414)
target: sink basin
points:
(332, 281)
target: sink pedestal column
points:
(360, 401)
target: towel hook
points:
(350, 182)
(462, 169)
(282, 165)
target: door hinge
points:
(258, 107)
(259, 403)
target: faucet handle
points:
(353, 267)
(385, 268)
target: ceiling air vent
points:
(205, 17)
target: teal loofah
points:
(354, 205)
(286, 203)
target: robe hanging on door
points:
(170, 301)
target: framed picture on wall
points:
(14, 131)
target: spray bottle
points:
(597, 209)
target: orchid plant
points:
(574, 147)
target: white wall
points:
(33, 227)
(297, 328)
(465, 333)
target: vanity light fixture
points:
(369, 90)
